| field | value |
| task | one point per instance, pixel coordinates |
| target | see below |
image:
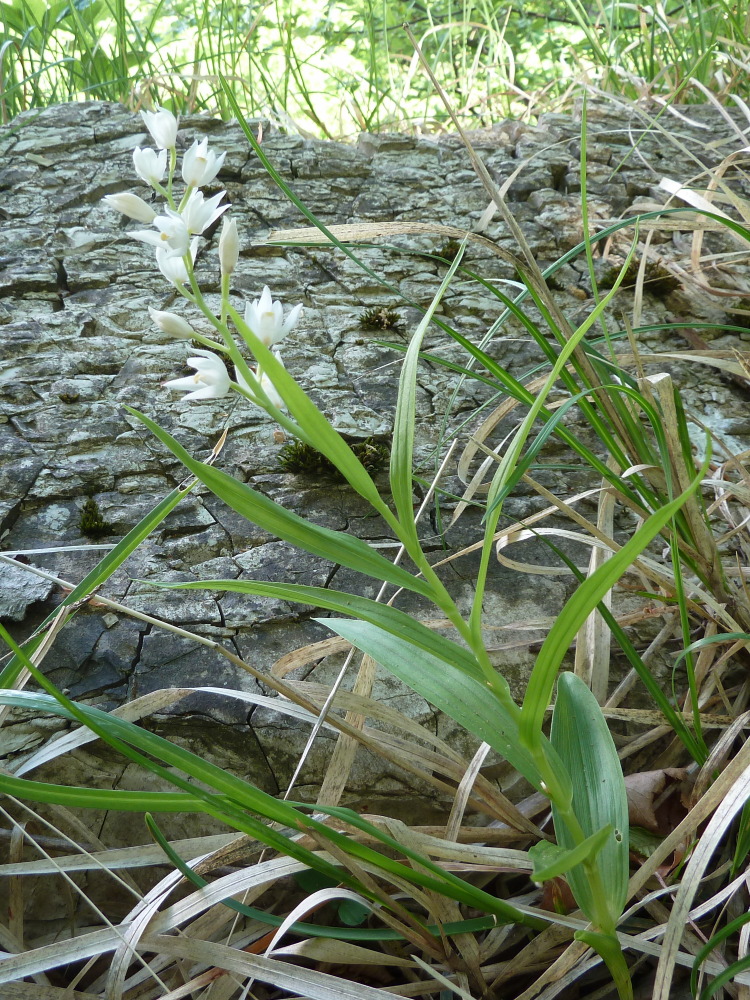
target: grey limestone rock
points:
(77, 344)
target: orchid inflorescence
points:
(175, 235)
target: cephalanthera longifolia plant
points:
(576, 767)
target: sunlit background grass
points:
(334, 69)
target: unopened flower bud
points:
(130, 205)
(150, 165)
(229, 246)
(172, 324)
(162, 125)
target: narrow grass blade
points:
(402, 450)
(580, 606)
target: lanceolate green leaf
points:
(463, 697)
(120, 800)
(580, 605)
(385, 617)
(402, 449)
(334, 545)
(581, 738)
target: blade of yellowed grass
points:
(311, 903)
(341, 953)
(39, 991)
(306, 982)
(662, 388)
(358, 232)
(116, 858)
(730, 805)
(458, 808)
(340, 764)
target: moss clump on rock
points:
(380, 318)
(303, 460)
(657, 278)
(92, 523)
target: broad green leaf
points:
(583, 742)
(580, 606)
(462, 696)
(385, 617)
(551, 860)
(334, 545)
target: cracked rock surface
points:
(77, 344)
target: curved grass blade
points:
(580, 606)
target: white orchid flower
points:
(211, 380)
(229, 245)
(173, 268)
(162, 125)
(200, 164)
(266, 385)
(150, 165)
(130, 205)
(172, 324)
(199, 213)
(172, 231)
(266, 318)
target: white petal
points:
(181, 384)
(292, 319)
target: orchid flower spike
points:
(200, 164)
(266, 318)
(162, 125)
(211, 380)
